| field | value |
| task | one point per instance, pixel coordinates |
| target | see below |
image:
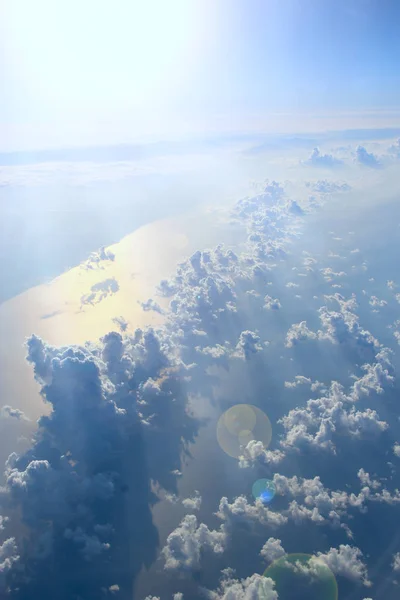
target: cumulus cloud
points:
(188, 541)
(240, 511)
(396, 562)
(298, 380)
(12, 413)
(346, 562)
(114, 589)
(193, 503)
(366, 480)
(324, 186)
(119, 422)
(249, 343)
(255, 452)
(97, 259)
(376, 302)
(272, 303)
(272, 550)
(339, 326)
(394, 149)
(256, 586)
(121, 322)
(111, 401)
(99, 291)
(299, 332)
(365, 158)
(320, 422)
(317, 159)
(8, 558)
(151, 305)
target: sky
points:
(140, 69)
(199, 290)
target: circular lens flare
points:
(264, 490)
(302, 576)
(245, 437)
(240, 418)
(241, 424)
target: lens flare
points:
(239, 425)
(264, 489)
(302, 576)
(240, 418)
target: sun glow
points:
(96, 58)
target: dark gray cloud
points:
(99, 291)
(84, 487)
(151, 305)
(121, 322)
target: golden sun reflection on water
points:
(55, 312)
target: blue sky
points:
(155, 67)
(259, 269)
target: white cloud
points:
(376, 303)
(251, 588)
(339, 327)
(255, 452)
(366, 480)
(396, 562)
(366, 158)
(114, 589)
(347, 562)
(8, 412)
(323, 186)
(299, 332)
(299, 513)
(272, 303)
(298, 380)
(395, 149)
(186, 543)
(102, 394)
(193, 503)
(8, 558)
(321, 420)
(317, 159)
(272, 550)
(97, 259)
(248, 344)
(240, 511)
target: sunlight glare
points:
(100, 55)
